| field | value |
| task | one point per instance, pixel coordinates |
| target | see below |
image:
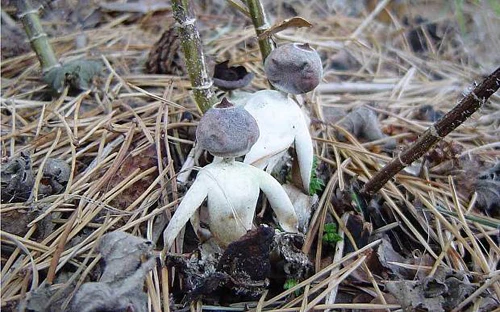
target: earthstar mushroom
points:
(292, 68)
(231, 77)
(231, 188)
(282, 124)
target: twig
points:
(260, 24)
(37, 37)
(63, 239)
(193, 54)
(454, 118)
(239, 6)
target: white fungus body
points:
(281, 124)
(232, 190)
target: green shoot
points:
(330, 235)
(316, 184)
(290, 283)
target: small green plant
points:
(290, 283)
(330, 235)
(78, 74)
(316, 184)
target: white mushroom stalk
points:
(293, 69)
(231, 188)
(281, 124)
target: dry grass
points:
(95, 132)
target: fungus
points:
(230, 78)
(230, 187)
(294, 68)
(17, 179)
(281, 124)
(227, 130)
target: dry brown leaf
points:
(120, 286)
(441, 292)
(144, 160)
(296, 22)
(487, 188)
(17, 179)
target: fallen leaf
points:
(17, 179)
(441, 292)
(78, 74)
(144, 160)
(487, 187)
(363, 123)
(389, 258)
(296, 22)
(411, 296)
(121, 285)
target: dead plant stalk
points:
(193, 54)
(469, 104)
(36, 36)
(260, 24)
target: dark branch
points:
(449, 122)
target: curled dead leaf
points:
(121, 285)
(144, 160)
(78, 74)
(17, 179)
(441, 292)
(487, 187)
(363, 123)
(296, 22)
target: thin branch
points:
(449, 122)
(239, 6)
(260, 24)
(193, 54)
(36, 36)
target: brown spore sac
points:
(294, 68)
(227, 130)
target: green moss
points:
(330, 235)
(290, 283)
(316, 184)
